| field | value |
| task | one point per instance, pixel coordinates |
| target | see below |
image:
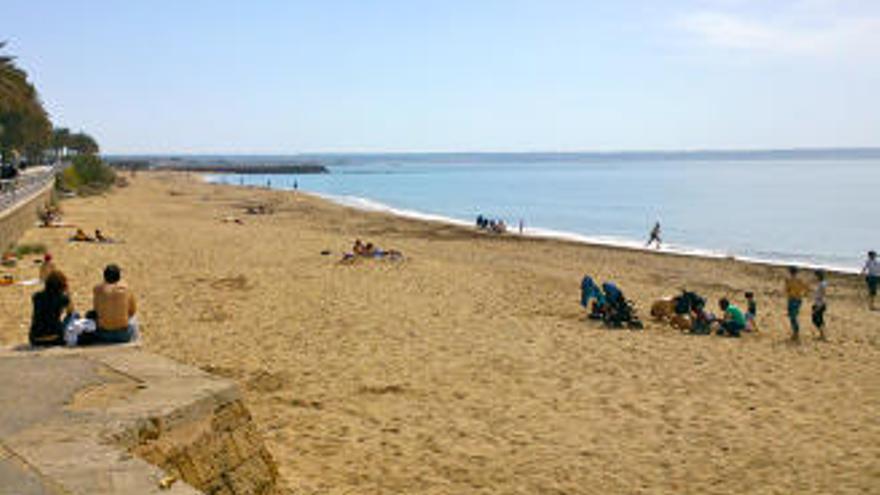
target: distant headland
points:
(317, 163)
(224, 165)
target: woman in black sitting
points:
(47, 327)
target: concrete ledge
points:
(22, 216)
(117, 420)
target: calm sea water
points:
(815, 212)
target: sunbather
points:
(115, 308)
(100, 237)
(81, 236)
(358, 248)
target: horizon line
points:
(823, 149)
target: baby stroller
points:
(591, 292)
(618, 311)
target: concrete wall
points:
(16, 220)
(218, 451)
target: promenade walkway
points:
(14, 191)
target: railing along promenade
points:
(22, 187)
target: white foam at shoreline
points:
(608, 241)
(366, 204)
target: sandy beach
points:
(468, 367)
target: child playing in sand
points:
(733, 322)
(795, 290)
(819, 305)
(751, 313)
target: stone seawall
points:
(21, 217)
(120, 421)
(216, 449)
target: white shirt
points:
(819, 295)
(872, 267)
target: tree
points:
(13, 83)
(60, 141)
(24, 123)
(83, 144)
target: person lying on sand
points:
(358, 248)
(368, 250)
(100, 237)
(81, 236)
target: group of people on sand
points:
(50, 216)
(362, 249)
(54, 321)
(491, 224)
(688, 311)
(81, 236)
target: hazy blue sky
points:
(288, 76)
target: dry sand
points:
(469, 367)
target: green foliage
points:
(25, 128)
(24, 123)
(83, 144)
(23, 250)
(88, 175)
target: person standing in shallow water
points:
(871, 271)
(795, 290)
(654, 236)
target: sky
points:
(279, 77)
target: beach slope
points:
(468, 367)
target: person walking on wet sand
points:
(871, 271)
(655, 236)
(795, 290)
(819, 305)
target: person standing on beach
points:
(871, 271)
(521, 223)
(655, 235)
(819, 305)
(795, 290)
(751, 313)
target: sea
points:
(815, 209)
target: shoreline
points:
(370, 205)
(469, 362)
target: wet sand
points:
(468, 367)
